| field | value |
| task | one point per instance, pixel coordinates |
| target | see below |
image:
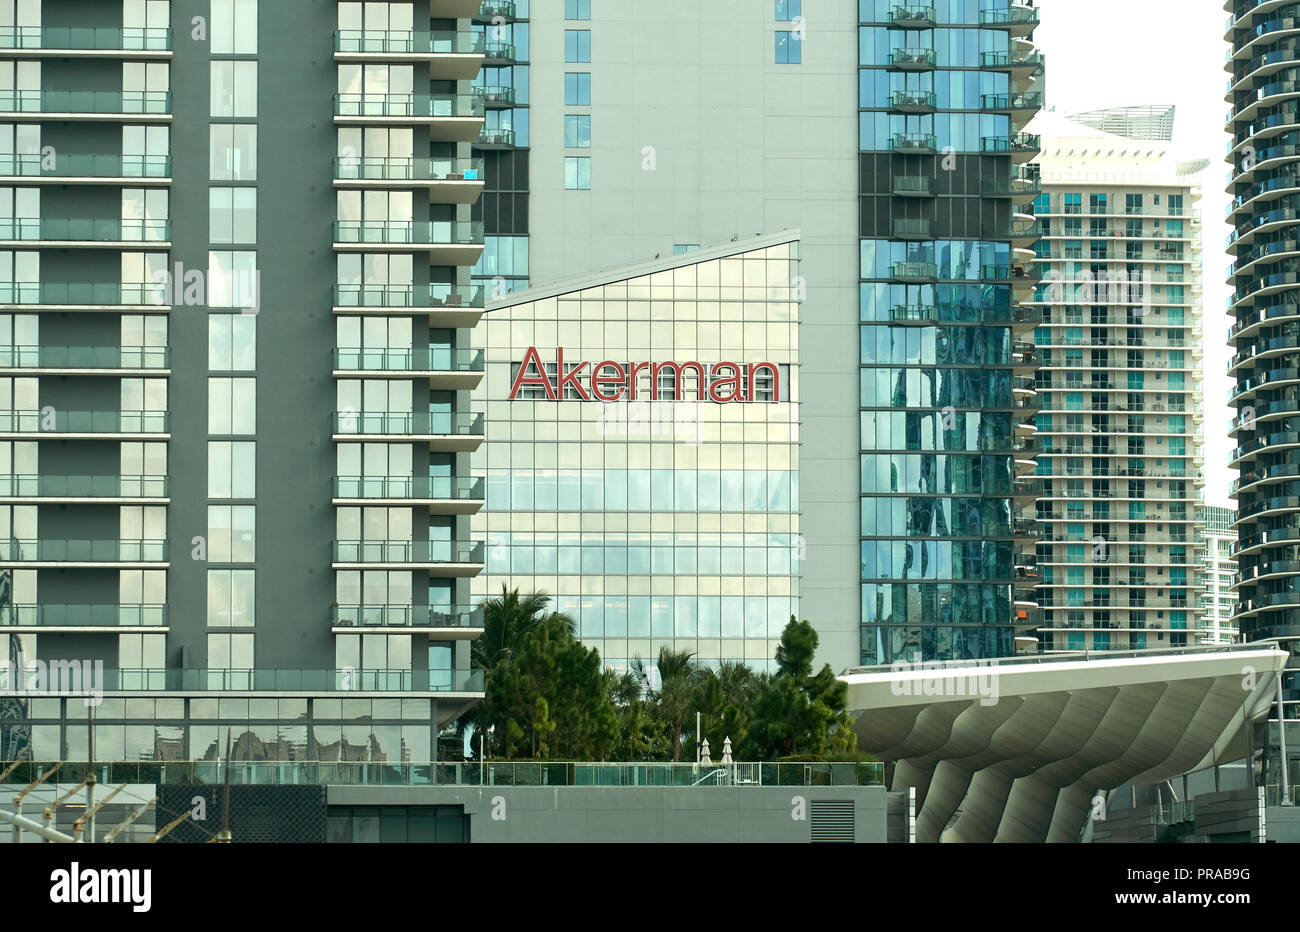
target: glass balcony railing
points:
(496, 137)
(912, 15)
(491, 8)
(83, 357)
(432, 423)
(84, 616)
(413, 169)
(912, 58)
(35, 165)
(1015, 16)
(88, 293)
(495, 96)
(86, 38)
(914, 314)
(397, 42)
(83, 551)
(351, 681)
(431, 359)
(914, 270)
(96, 102)
(420, 106)
(452, 488)
(1003, 61)
(904, 185)
(1033, 101)
(51, 486)
(1020, 142)
(421, 296)
(913, 142)
(84, 422)
(407, 616)
(88, 230)
(417, 233)
(913, 100)
(912, 229)
(500, 51)
(408, 551)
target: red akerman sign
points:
(723, 382)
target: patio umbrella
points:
(705, 760)
(726, 750)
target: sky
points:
(1117, 53)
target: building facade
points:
(1120, 428)
(235, 254)
(653, 498)
(1217, 576)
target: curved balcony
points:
(1013, 62)
(912, 16)
(87, 169)
(85, 360)
(497, 97)
(69, 232)
(442, 494)
(1022, 147)
(495, 139)
(85, 105)
(84, 488)
(1269, 602)
(500, 53)
(451, 622)
(80, 616)
(54, 553)
(1268, 538)
(1012, 103)
(1264, 475)
(444, 432)
(446, 369)
(1019, 20)
(64, 425)
(448, 242)
(1282, 440)
(90, 41)
(450, 56)
(440, 558)
(449, 117)
(1022, 186)
(913, 102)
(90, 296)
(1278, 504)
(447, 305)
(912, 60)
(914, 143)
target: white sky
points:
(1116, 53)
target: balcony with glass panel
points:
(454, 9)
(442, 622)
(912, 60)
(461, 683)
(446, 369)
(57, 424)
(78, 489)
(1022, 186)
(448, 180)
(442, 495)
(92, 232)
(912, 229)
(449, 117)
(500, 53)
(87, 296)
(1020, 106)
(914, 143)
(78, 41)
(446, 558)
(495, 139)
(909, 186)
(85, 360)
(450, 306)
(496, 97)
(448, 242)
(54, 553)
(54, 618)
(1030, 62)
(1018, 19)
(919, 315)
(914, 271)
(84, 105)
(912, 16)
(86, 169)
(451, 56)
(445, 432)
(1023, 147)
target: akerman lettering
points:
(608, 381)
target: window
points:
(577, 45)
(577, 131)
(787, 10)
(233, 152)
(577, 89)
(789, 50)
(232, 342)
(234, 27)
(232, 533)
(679, 248)
(231, 598)
(577, 9)
(229, 652)
(232, 215)
(232, 406)
(232, 279)
(233, 88)
(232, 469)
(577, 174)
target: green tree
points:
(671, 691)
(725, 700)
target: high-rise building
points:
(1217, 576)
(235, 257)
(1119, 433)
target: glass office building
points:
(656, 504)
(947, 390)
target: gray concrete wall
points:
(633, 814)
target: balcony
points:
(446, 369)
(913, 102)
(1021, 146)
(500, 53)
(1021, 185)
(84, 359)
(450, 117)
(922, 315)
(913, 143)
(494, 8)
(84, 295)
(460, 622)
(905, 186)
(454, 9)
(449, 180)
(355, 683)
(912, 60)
(914, 271)
(441, 558)
(63, 425)
(912, 16)
(495, 139)
(443, 494)
(59, 231)
(912, 229)
(1012, 103)
(1015, 62)
(87, 488)
(1019, 19)
(137, 169)
(445, 432)
(497, 97)
(85, 105)
(89, 615)
(1027, 488)
(451, 56)
(448, 242)
(154, 43)
(447, 305)
(109, 553)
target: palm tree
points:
(673, 696)
(506, 619)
